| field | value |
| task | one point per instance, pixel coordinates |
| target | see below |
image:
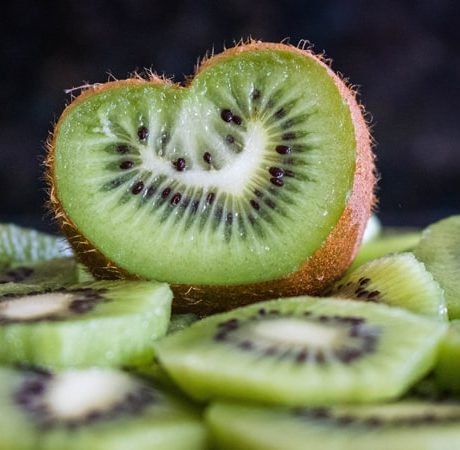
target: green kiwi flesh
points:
(303, 350)
(397, 280)
(24, 246)
(105, 323)
(391, 240)
(97, 409)
(238, 178)
(53, 273)
(439, 250)
(406, 425)
(447, 369)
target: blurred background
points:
(403, 55)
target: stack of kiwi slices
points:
(217, 294)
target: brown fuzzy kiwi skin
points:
(326, 265)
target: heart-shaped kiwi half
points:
(253, 180)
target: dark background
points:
(404, 56)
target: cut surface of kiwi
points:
(303, 351)
(239, 178)
(105, 323)
(54, 273)
(24, 246)
(409, 424)
(439, 250)
(389, 241)
(97, 409)
(447, 369)
(397, 280)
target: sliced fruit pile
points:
(251, 185)
(103, 364)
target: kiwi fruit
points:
(447, 371)
(104, 323)
(439, 250)
(180, 321)
(303, 350)
(97, 409)
(397, 280)
(53, 273)
(389, 241)
(25, 246)
(409, 424)
(253, 180)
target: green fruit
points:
(303, 351)
(54, 273)
(407, 425)
(447, 369)
(439, 250)
(24, 246)
(93, 409)
(388, 242)
(397, 280)
(251, 180)
(100, 323)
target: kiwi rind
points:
(207, 365)
(398, 280)
(339, 247)
(118, 328)
(409, 424)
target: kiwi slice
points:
(303, 350)
(105, 323)
(24, 246)
(259, 169)
(448, 366)
(397, 280)
(48, 274)
(409, 424)
(439, 249)
(390, 241)
(97, 409)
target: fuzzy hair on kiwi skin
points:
(326, 265)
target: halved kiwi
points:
(406, 425)
(303, 350)
(105, 323)
(93, 409)
(254, 180)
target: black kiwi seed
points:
(277, 182)
(226, 115)
(210, 198)
(280, 113)
(143, 133)
(255, 205)
(257, 193)
(283, 149)
(125, 165)
(137, 187)
(17, 275)
(165, 193)
(277, 172)
(207, 157)
(122, 149)
(230, 139)
(180, 164)
(237, 120)
(150, 191)
(176, 198)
